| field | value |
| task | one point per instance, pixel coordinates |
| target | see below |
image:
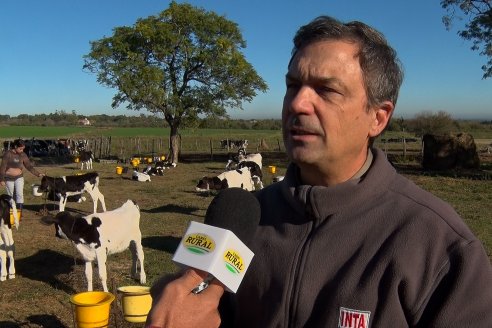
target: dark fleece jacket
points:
(379, 252)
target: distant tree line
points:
(422, 123)
(63, 118)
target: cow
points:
(226, 143)
(78, 198)
(278, 178)
(7, 247)
(86, 157)
(240, 178)
(242, 156)
(98, 235)
(158, 168)
(73, 185)
(255, 169)
(140, 176)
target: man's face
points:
(326, 124)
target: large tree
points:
(478, 28)
(183, 63)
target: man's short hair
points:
(381, 69)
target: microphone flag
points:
(215, 250)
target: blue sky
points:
(43, 43)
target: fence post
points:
(404, 148)
(100, 146)
(211, 150)
(109, 147)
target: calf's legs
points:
(7, 249)
(137, 259)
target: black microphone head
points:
(237, 210)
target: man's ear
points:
(382, 116)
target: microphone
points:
(219, 245)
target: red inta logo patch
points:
(353, 318)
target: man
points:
(343, 240)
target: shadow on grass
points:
(41, 320)
(52, 208)
(46, 320)
(168, 244)
(170, 208)
(45, 266)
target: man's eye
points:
(326, 91)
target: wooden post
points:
(100, 146)
(153, 149)
(211, 150)
(404, 148)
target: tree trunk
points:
(175, 144)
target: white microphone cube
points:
(215, 250)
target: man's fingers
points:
(216, 288)
(192, 278)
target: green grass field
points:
(49, 270)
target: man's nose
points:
(302, 101)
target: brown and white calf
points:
(74, 185)
(7, 247)
(98, 235)
(240, 178)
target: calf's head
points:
(206, 184)
(75, 227)
(45, 184)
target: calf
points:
(240, 178)
(254, 168)
(140, 176)
(242, 157)
(278, 178)
(73, 185)
(158, 168)
(96, 236)
(86, 157)
(7, 247)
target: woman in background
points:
(11, 172)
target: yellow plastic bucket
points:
(119, 170)
(12, 219)
(272, 169)
(135, 162)
(76, 159)
(136, 302)
(92, 308)
(163, 158)
(149, 160)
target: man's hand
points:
(175, 306)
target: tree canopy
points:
(182, 63)
(478, 28)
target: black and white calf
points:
(7, 247)
(86, 157)
(140, 176)
(158, 168)
(98, 235)
(242, 157)
(255, 170)
(240, 178)
(74, 185)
